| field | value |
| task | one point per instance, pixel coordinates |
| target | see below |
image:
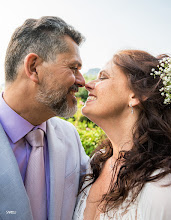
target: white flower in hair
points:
(164, 71)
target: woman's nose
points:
(90, 85)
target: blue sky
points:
(108, 25)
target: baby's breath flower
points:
(164, 72)
(161, 89)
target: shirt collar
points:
(14, 125)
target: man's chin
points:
(66, 112)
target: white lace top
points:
(153, 203)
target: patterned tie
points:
(35, 175)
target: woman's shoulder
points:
(158, 189)
(160, 183)
(154, 199)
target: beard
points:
(56, 100)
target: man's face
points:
(60, 80)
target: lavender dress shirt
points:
(16, 128)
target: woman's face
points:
(109, 95)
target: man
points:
(41, 157)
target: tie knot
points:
(35, 138)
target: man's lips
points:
(73, 89)
(72, 92)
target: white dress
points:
(153, 203)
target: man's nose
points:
(79, 80)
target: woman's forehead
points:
(108, 66)
(111, 68)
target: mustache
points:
(73, 88)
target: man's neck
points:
(24, 104)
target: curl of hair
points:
(151, 138)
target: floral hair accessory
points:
(164, 71)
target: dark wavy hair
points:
(151, 135)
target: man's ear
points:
(31, 62)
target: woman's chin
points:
(87, 113)
(84, 111)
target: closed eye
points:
(74, 69)
(102, 77)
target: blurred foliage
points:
(90, 133)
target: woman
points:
(130, 172)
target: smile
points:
(72, 92)
(73, 89)
(91, 98)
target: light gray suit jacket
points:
(67, 162)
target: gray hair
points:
(44, 36)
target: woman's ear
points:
(31, 62)
(133, 101)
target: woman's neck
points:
(120, 132)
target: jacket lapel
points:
(13, 196)
(57, 171)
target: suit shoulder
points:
(61, 124)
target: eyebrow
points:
(76, 63)
(103, 71)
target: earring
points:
(132, 110)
